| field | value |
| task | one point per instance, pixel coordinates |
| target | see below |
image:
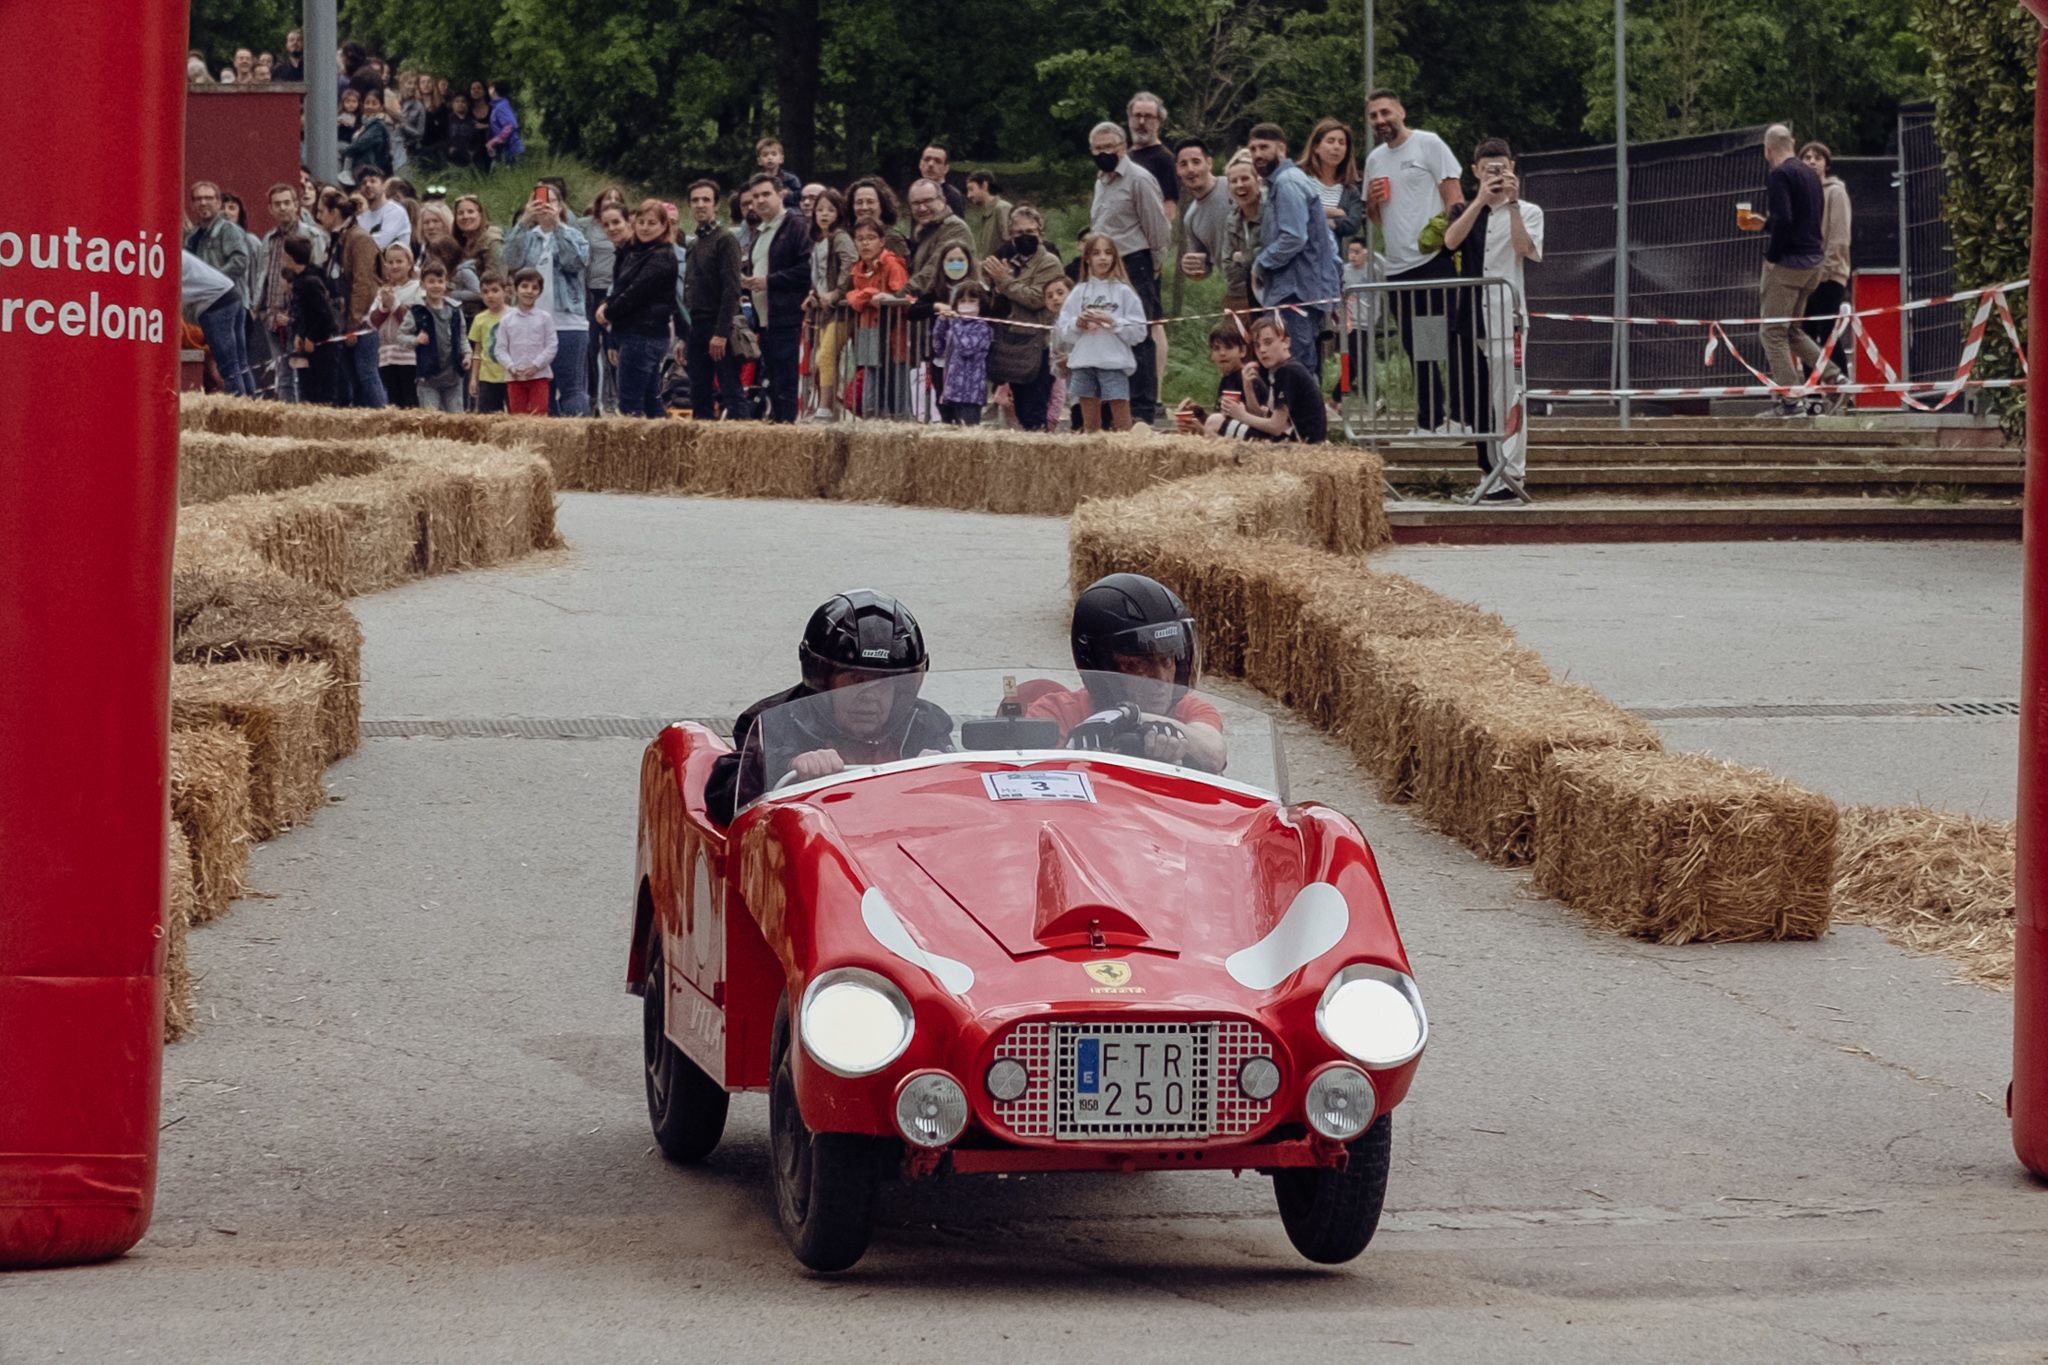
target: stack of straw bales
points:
(210, 786)
(1934, 882)
(276, 708)
(426, 507)
(179, 914)
(275, 619)
(980, 469)
(1682, 848)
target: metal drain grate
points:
(534, 727)
(1831, 710)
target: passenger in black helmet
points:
(1135, 643)
(863, 656)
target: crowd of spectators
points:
(795, 299)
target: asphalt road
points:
(410, 1128)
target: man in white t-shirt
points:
(1410, 177)
(1514, 236)
(384, 219)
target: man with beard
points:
(1410, 177)
(1296, 270)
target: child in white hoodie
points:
(1099, 324)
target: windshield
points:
(1029, 709)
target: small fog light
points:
(1340, 1102)
(1007, 1079)
(1259, 1078)
(931, 1109)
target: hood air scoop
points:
(1075, 908)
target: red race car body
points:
(1011, 955)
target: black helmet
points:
(864, 631)
(1130, 614)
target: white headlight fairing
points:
(1374, 1015)
(882, 921)
(854, 1022)
(1314, 923)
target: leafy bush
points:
(1983, 70)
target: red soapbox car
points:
(1020, 956)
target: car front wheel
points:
(686, 1107)
(824, 1182)
(1331, 1215)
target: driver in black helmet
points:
(858, 637)
(1136, 647)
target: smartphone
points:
(540, 194)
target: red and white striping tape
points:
(1997, 289)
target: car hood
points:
(1157, 862)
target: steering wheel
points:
(1122, 730)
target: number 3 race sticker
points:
(1031, 786)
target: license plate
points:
(1135, 1081)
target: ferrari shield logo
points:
(1109, 973)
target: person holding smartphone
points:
(1509, 231)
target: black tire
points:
(1330, 1215)
(824, 1182)
(686, 1107)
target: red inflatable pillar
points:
(2028, 1102)
(89, 293)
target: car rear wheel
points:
(824, 1182)
(686, 1107)
(1331, 1215)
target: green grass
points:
(504, 191)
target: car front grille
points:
(1218, 1108)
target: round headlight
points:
(1373, 1014)
(1007, 1079)
(1340, 1101)
(853, 1022)
(931, 1109)
(1258, 1078)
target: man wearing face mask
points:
(937, 229)
(1018, 274)
(1129, 209)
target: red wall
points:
(245, 139)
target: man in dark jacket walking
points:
(711, 294)
(1792, 266)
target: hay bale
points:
(882, 463)
(213, 467)
(210, 767)
(767, 460)
(1683, 848)
(1934, 882)
(1479, 722)
(629, 455)
(177, 926)
(274, 620)
(348, 536)
(276, 707)
(1348, 511)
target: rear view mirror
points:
(1013, 732)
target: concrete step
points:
(1932, 480)
(1571, 520)
(1543, 450)
(1814, 431)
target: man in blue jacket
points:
(1296, 272)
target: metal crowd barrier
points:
(882, 368)
(1433, 361)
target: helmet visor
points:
(1163, 639)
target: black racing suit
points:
(738, 778)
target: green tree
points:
(218, 27)
(1983, 70)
